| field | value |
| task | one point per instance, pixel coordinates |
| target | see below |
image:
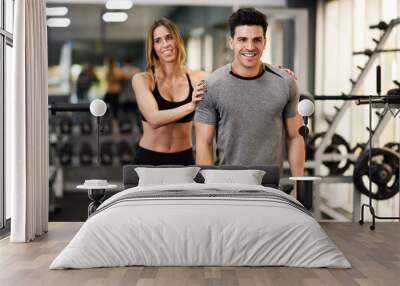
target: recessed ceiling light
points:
(56, 11)
(115, 17)
(58, 22)
(119, 4)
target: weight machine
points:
(384, 169)
(324, 152)
(319, 155)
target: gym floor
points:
(374, 255)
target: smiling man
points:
(251, 106)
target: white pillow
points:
(248, 177)
(163, 176)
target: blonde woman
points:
(167, 94)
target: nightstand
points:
(96, 192)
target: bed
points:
(201, 224)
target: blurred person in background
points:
(167, 94)
(129, 69)
(114, 79)
(86, 79)
(128, 98)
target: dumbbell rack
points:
(75, 170)
(370, 146)
(356, 85)
(76, 135)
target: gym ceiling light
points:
(115, 17)
(58, 22)
(119, 4)
(56, 11)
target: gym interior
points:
(344, 54)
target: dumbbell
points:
(66, 125)
(52, 125)
(86, 154)
(125, 153)
(125, 124)
(65, 154)
(106, 125)
(86, 125)
(106, 153)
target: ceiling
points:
(86, 23)
(268, 3)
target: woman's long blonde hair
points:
(152, 60)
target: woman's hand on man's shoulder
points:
(198, 75)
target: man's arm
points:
(204, 143)
(295, 145)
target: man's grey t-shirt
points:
(249, 114)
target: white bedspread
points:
(190, 230)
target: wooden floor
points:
(375, 257)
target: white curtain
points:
(27, 124)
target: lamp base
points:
(305, 193)
(304, 189)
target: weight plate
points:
(393, 146)
(338, 145)
(384, 173)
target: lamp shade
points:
(98, 107)
(306, 107)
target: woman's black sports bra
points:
(164, 104)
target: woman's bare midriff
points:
(167, 139)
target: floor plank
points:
(374, 255)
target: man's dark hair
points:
(249, 17)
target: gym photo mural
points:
(186, 85)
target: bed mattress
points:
(201, 225)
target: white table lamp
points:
(98, 108)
